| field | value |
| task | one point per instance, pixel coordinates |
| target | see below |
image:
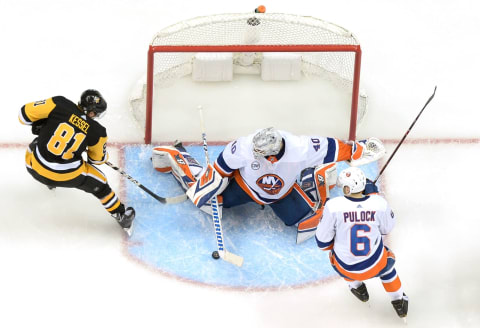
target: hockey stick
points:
(404, 136)
(168, 200)
(217, 222)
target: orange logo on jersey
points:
(270, 183)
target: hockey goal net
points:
(270, 50)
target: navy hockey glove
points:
(370, 188)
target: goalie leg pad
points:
(318, 181)
(307, 183)
(307, 226)
(183, 166)
(323, 178)
(161, 158)
(207, 207)
(210, 183)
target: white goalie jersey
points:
(354, 228)
(269, 179)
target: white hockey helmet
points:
(267, 142)
(353, 178)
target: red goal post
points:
(325, 49)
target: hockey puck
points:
(215, 255)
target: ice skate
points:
(125, 220)
(361, 292)
(401, 307)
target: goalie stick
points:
(217, 222)
(168, 200)
(405, 136)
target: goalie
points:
(263, 168)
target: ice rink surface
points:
(179, 239)
(65, 262)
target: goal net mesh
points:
(276, 31)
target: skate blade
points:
(129, 231)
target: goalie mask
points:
(267, 142)
(353, 178)
(92, 101)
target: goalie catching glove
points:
(366, 151)
(209, 183)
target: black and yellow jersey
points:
(65, 135)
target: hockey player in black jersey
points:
(65, 131)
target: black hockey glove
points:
(38, 125)
(33, 145)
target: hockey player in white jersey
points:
(352, 228)
(263, 168)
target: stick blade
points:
(232, 258)
(176, 199)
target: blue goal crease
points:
(179, 238)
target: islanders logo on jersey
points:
(270, 183)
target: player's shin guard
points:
(390, 280)
(111, 203)
(183, 166)
(392, 284)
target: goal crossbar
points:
(252, 48)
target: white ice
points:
(63, 260)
